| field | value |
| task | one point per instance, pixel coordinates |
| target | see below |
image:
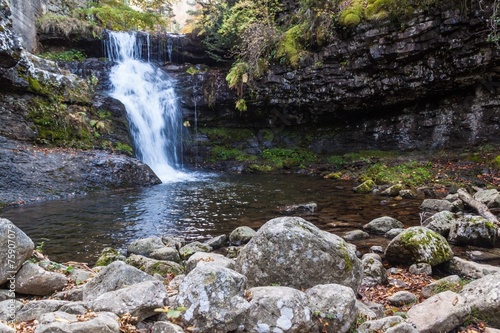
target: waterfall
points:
(148, 95)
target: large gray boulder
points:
(278, 309)
(34, 280)
(115, 276)
(189, 249)
(103, 322)
(213, 297)
(483, 295)
(473, 230)
(440, 313)
(437, 205)
(16, 247)
(145, 246)
(9, 308)
(140, 300)
(490, 198)
(292, 252)
(381, 225)
(334, 307)
(440, 222)
(469, 268)
(418, 245)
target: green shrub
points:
(70, 55)
(288, 157)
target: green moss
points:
(262, 168)
(496, 162)
(333, 175)
(124, 148)
(108, 255)
(69, 55)
(290, 48)
(410, 173)
(226, 136)
(288, 157)
(366, 187)
(351, 15)
(220, 153)
(348, 262)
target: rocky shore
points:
(289, 276)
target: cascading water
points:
(148, 95)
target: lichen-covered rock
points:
(365, 187)
(374, 272)
(35, 309)
(213, 298)
(202, 258)
(451, 282)
(189, 249)
(153, 266)
(108, 255)
(421, 268)
(483, 295)
(10, 45)
(386, 324)
(145, 246)
(241, 235)
(437, 205)
(115, 276)
(103, 322)
(34, 280)
(140, 300)
(490, 198)
(473, 230)
(334, 307)
(16, 247)
(381, 225)
(293, 252)
(440, 313)
(278, 309)
(440, 222)
(393, 190)
(416, 245)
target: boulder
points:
(278, 309)
(374, 272)
(473, 230)
(491, 198)
(483, 296)
(440, 313)
(293, 252)
(354, 235)
(6, 329)
(108, 255)
(145, 246)
(393, 191)
(217, 242)
(382, 225)
(241, 235)
(333, 306)
(418, 245)
(139, 300)
(213, 297)
(402, 298)
(202, 258)
(393, 233)
(421, 268)
(103, 322)
(9, 308)
(451, 282)
(35, 309)
(34, 280)
(166, 253)
(16, 247)
(393, 324)
(153, 266)
(469, 268)
(74, 294)
(437, 205)
(174, 242)
(115, 276)
(189, 249)
(440, 222)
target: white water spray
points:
(148, 95)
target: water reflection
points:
(210, 205)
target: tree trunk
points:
(478, 206)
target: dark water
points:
(78, 229)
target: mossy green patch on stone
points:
(365, 187)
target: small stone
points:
(241, 235)
(354, 235)
(401, 298)
(421, 268)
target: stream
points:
(205, 206)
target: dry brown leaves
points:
(126, 325)
(26, 327)
(398, 281)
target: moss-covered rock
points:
(108, 255)
(418, 245)
(153, 266)
(473, 230)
